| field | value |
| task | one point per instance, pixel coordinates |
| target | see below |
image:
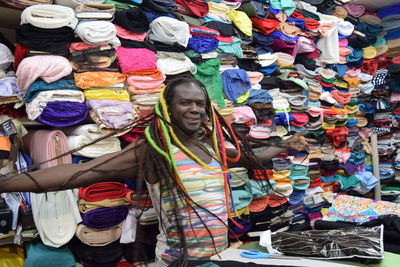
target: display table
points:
(390, 259)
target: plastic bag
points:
(332, 244)
(11, 256)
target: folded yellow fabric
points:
(107, 94)
(85, 206)
(242, 21)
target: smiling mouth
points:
(193, 120)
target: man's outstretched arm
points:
(296, 142)
(118, 165)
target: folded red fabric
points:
(102, 191)
(267, 26)
(196, 8)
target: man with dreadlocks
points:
(184, 163)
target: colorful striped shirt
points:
(204, 187)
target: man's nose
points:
(194, 108)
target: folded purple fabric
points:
(103, 218)
(63, 113)
(112, 113)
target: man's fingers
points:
(309, 140)
(301, 134)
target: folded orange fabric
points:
(86, 80)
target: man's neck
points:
(188, 140)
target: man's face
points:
(188, 108)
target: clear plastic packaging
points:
(331, 244)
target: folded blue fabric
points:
(260, 188)
(367, 179)
(389, 10)
(235, 82)
(38, 254)
(366, 107)
(283, 118)
(203, 44)
(355, 55)
(386, 174)
(351, 122)
(297, 22)
(393, 34)
(241, 197)
(269, 69)
(329, 179)
(259, 96)
(296, 197)
(39, 86)
(281, 35)
(152, 15)
(262, 40)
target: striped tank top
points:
(204, 187)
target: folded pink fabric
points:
(131, 59)
(124, 33)
(49, 68)
(305, 45)
(42, 146)
(82, 46)
(354, 9)
(343, 42)
(325, 28)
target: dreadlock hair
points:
(158, 159)
(162, 134)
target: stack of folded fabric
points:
(144, 81)
(44, 36)
(45, 29)
(94, 59)
(144, 87)
(103, 210)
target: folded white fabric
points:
(39, 103)
(267, 59)
(345, 28)
(49, 16)
(280, 103)
(366, 88)
(169, 31)
(86, 134)
(326, 96)
(6, 57)
(98, 33)
(145, 99)
(75, 3)
(365, 77)
(129, 227)
(56, 216)
(171, 63)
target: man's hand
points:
(237, 244)
(298, 142)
